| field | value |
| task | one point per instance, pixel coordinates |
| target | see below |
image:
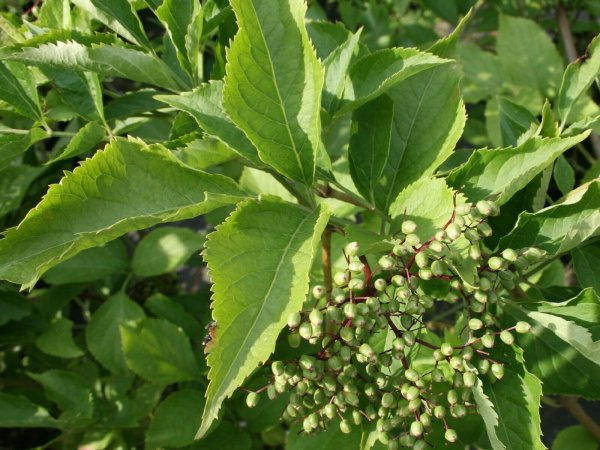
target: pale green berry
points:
(356, 417)
(437, 267)
(416, 428)
(436, 246)
(437, 375)
(319, 292)
(452, 396)
(488, 340)
(522, 327)
(252, 399)
(412, 393)
(338, 295)
(458, 411)
(440, 235)
(329, 410)
(340, 278)
(277, 368)
(421, 259)
(380, 284)
(472, 235)
(315, 317)
(425, 274)
(533, 254)
(475, 324)
(386, 262)
(469, 379)
(350, 310)
(484, 229)
(356, 267)
(356, 284)
(352, 248)
(483, 366)
(408, 226)
(446, 349)
(366, 350)
(463, 209)
(439, 412)
(495, 263)
(347, 334)
(510, 255)
(498, 370)
(453, 231)
(409, 338)
(450, 435)
(388, 400)
(475, 252)
(294, 320)
(411, 375)
(507, 337)
(294, 340)
(305, 330)
(412, 240)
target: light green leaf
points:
(575, 436)
(528, 55)
(12, 307)
(12, 90)
(14, 182)
(102, 333)
(514, 121)
(561, 359)
(122, 12)
(164, 250)
(428, 202)
(58, 341)
(577, 79)
(500, 173)
(273, 85)
(330, 439)
(583, 125)
(326, 36)
(486, 410)
(183, 21)
(87, 138)
(205, 104)
(55, 14)
(564, 175)
(159, 351)
(560, 227)
(336, 68)
(176, 420)
(102, 59)
(14, 145)
(586, 261)
(370, 140)
(251, 276)
(378, 72)
(69, 391)
(19, 412)
(516, 399)
(90, 265)
(203, 154)
(127, 186)
(482, 72)
(260, 182)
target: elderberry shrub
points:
(348, 376)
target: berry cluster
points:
(367, 330)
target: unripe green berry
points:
(462, 209)
(421, 259)
(507, 337)
(450, 435)
(338, 295)
(488, 340)
(356, 284)
(277, 368)
(439, 412)
(469, 379)
(356, 417)
(497, 370)
(475, 252)
(380, 284)
(366, 350)
(472, 235)
(319, 292)
(347, 334)
(436, 246)
(496, 263)
(411, 375)
(453, 231)
(412, 240)
(425, 274)
(352, 248)
(329, 410)
(452, 396)
(388, 400)
(458, 411)
(484, 229)
(446, 349)
(408, 226)
(315, 317)
(294, 320)
(510, 255)
(522, 327)
(252, 399)
(483, 366)
(305, 330)
(533, 254)
(437, 375)
(416, 428)
(386, 262)
(475, 324)
(437, 267)
(409, 338)
(340, 278)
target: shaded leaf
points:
(586, 260)
(87, 138)
(575, 436)
(564, 175)
(58, 341)
(69, 391)
(12, 90)
(14, 145)
(19, 412)
(12, 307)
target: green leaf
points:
(482, 72)
(164, 250)
(102, 333)
(14, 182)
(378, 72)
(370, 140)
(203, 154)
(516, 399)
(428, 202)
(273, 85)
(90, 265)
(122, 12)
(205, 104)
(486, 410)
(69, 391)
(577, 79)
(336, 68)
(183, 21)
(500, 173)
(81, 91)
(260, 182)
(103, 59)
(165, 308)
(12, 307)
(225, 437)
(528, 55)
(514, 121)
(159, 351)
(564, 175)
(251, 275)
(133, 103)
(18, 90)
(326, 36)
(87, 139)
(126, 187)
(14, 145)
(176, 420)
(55, 14)
(575, 436)
(562, 347)
(19, 412)
(560, 227)
(58, 341)
(330, 439)
(586, 261)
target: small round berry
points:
(425, 274)
(453, 231)
(319, 292)
(294, 320)
(356, 267)
(252, 399)
(294, 340)
(340, 278)
(411, 375)
(507, 337)
(439, 412)
(380, 284)
(277, 368)
(356, 284)
(305, 330)
(350, 310)
(315, 317)
(463, 209)
(488, 340)
(475, 324)
(522, 327)
(386, 262)
(446, 349)
(412, 240)
(408, 226)
(450, 435)
(497, 370)
(469, 379)
(421, 259)
(510, 255)
(416, 428)
(495, 263)
(352, 249)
